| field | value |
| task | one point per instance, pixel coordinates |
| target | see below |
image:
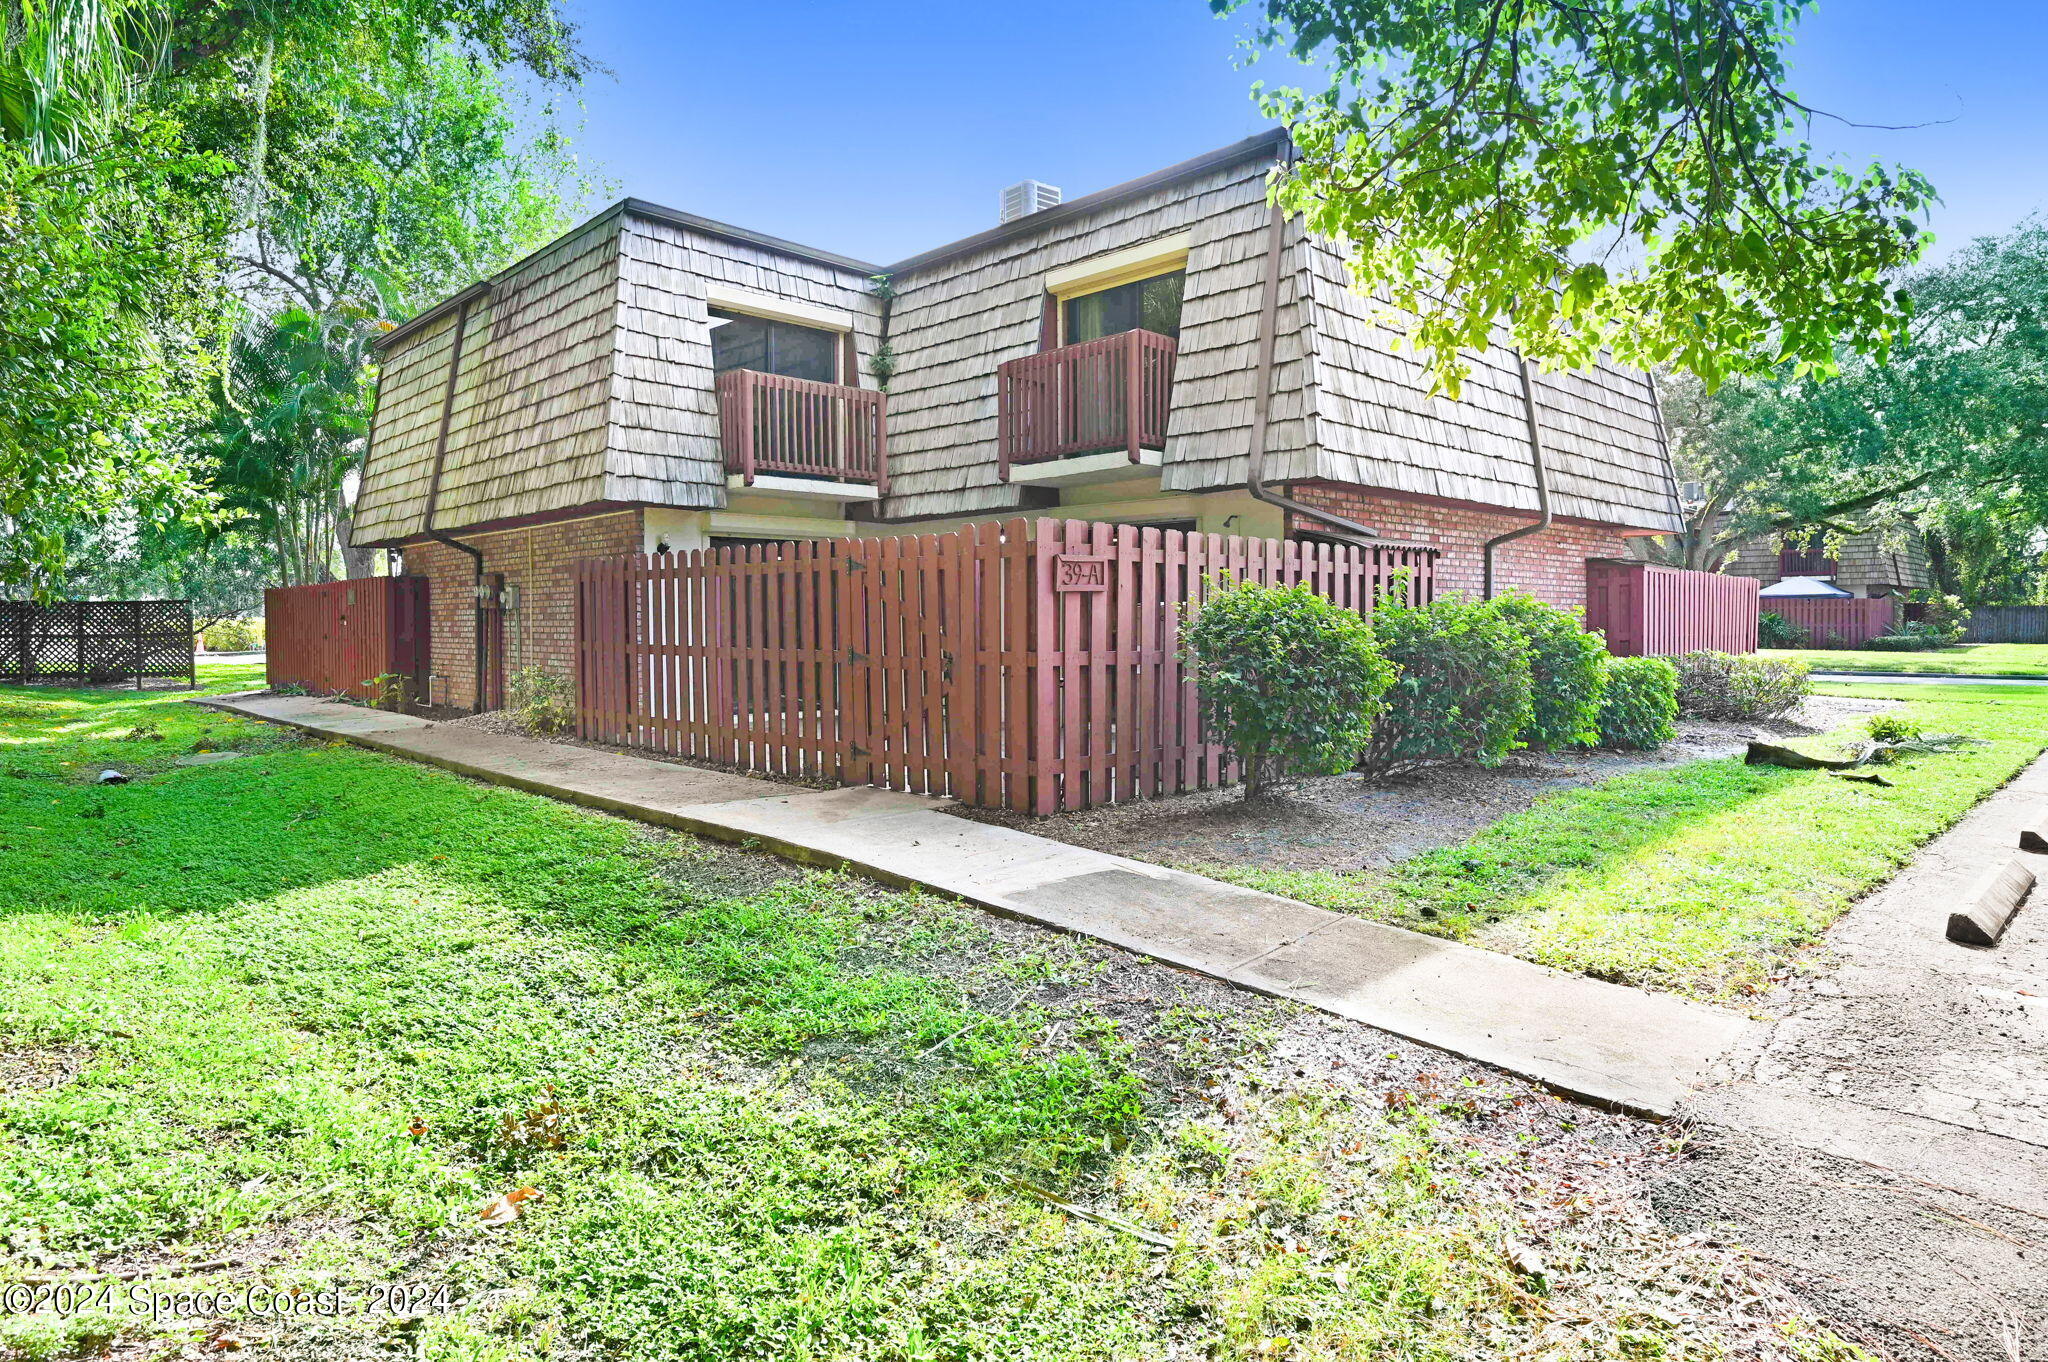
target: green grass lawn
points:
(1704, 878)
(294, 1017)
(1969, 659)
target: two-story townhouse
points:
(1166, 352)
(1873, 563)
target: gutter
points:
(467, 298)
(1542, 521)
(1350, 531)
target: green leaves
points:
(1626, 175)
(1638, 703)
(1466, 688)
(1290, 682)
(1951, 432)
(105, 320)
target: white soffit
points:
(776, 309)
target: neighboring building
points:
(1870, 564)
(654, 381)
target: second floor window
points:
(739, 341)
(1143, 304)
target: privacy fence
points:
(96, 643)
(1838, 621)
(1029, 665)
(1649, 610)
(337, 638)
(2001, 623)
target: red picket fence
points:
(334, 637)
(1029, 665)
(1649, 610)
(1838, 621)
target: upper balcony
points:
(1064, 413)
(796, 436)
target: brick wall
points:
(540, 561)
(1550, 565)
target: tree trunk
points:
(355, 562)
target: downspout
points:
(434, 492)
(1542, 480)
(1262, 399)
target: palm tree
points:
(68, 68)
(291, 430)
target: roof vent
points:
(1028, 196)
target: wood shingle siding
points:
(585, 377)
(528, 429)
(1377, 425)
(1864, 561)
(664, 436)
(955, 320)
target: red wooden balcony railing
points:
(1079, 399)
(772, 424)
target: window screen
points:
(1144, 304)
(739, 341)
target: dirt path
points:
(1889, 1128)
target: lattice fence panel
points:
(96, 643)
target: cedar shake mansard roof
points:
(586, 372)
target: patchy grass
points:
(1702, 878)
(293, 1018)
(1968, 659)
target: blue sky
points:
(882, 129)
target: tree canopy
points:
(178, 177)
(1585, 174)
(1950, 434)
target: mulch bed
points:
(1346, 822)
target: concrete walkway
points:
(1888, 1127)
(1927, 679)
(1620, 1047)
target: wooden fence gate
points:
(1649, 610)
(338, 637)
(1030, 665)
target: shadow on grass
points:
(331, 854)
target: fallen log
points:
(1770, 754)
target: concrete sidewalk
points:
(1926, 679)
(1620, 1047)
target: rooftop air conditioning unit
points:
(1029, 196)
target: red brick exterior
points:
(1550, 565)
(537, 559)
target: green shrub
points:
(1290, 682)
(1891, 728)
(1639, 706)
(1773, 630)
(540, 701)
(1566, 672)
(1461, 688)
(389, 690)
(232, 636)
(1907, 643)
(1730, 686)
(1943, 617)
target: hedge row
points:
(1294, 685)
